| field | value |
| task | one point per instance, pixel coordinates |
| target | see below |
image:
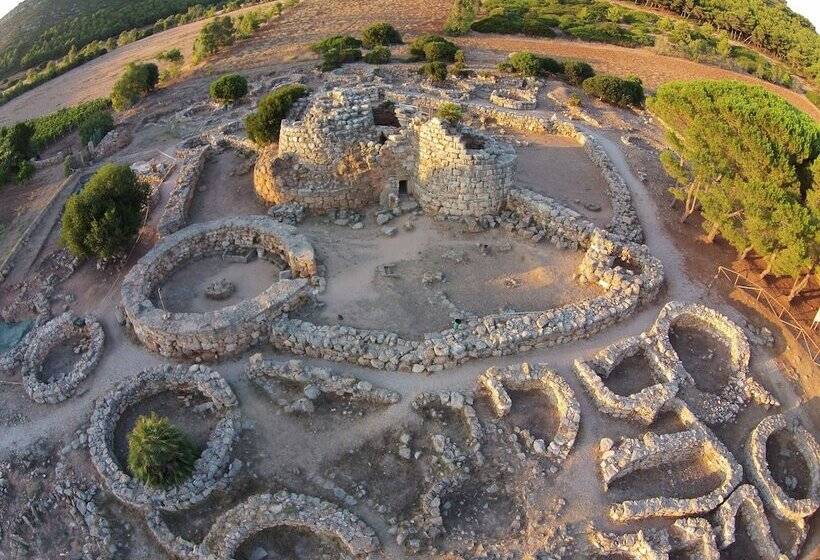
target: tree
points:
(228, 88)
(380, 34)
(103, 219)
(159, 453)
(263, 125)
(748, 161)
(136, 81)
(15, 150)
(217, 33)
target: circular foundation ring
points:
(230, 330)
(213, 469)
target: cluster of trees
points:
(263, 125)
(103, 219)
(769, 25)
(747, 161)
(342, 49)
(159, 453)
(596, 20)
(137, 80)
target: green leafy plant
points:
(380, 34)
(450, 112)
(379, 55)
(228, 88)
(137, 81)
(576, 71)
(53, 126)
(263, 125)
(171, 55)
(444, 52)
(94, 127)
(337, 42)
(15, 150)
(614, 90)
(214, 35)
(159, 453)
(435, 71)
(102, 220)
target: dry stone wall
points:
(214, 468)
(229, 330)
(175, 215)
(515, 98)
(746, 502)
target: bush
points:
(380, 34)
(450, 112)
(136, 81)
(95, 126)
(499, 22)
(609, 33)
(217, 33)
(263, 125)
(228, 88)
(15, 149)
(379, 55)
(24, 171)
(436, 71)
(54, 126)
(103, 219)
(440, 51)
(460, 17)
(528, 64)
(417, 48)
(576, 71)
(159, 453)
(337, 42)
(334, 58)
(537, 26)
(171, 55)
(615, 90)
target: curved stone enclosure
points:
(524, 377)
(782, 505)
(229, 330)
(213, 469)
(284, 509)
(746, 502)
(654, 450)
(46, 338)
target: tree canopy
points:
(748, 161)
(136, 81)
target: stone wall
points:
(746, 502)
(44, 339)
(213, 469)
(192, 162)
(461, 172)
(229, 330)
(515, 98)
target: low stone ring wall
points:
(518, 99)
(212, 471)
(524, 377)
(781, 504)
(230, 330)
(266, 511)
(48, 337)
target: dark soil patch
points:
(290, 543)
(706, 357)
(534, 411)
(175, 406)
(59, 361)
(631, 375)
(685, 479)
(787, 465)
(471, 511)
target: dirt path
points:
(654, 69)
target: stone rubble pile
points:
(315, 382)
(213, 470)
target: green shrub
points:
(615, 90)
(576, 71)
(436, 71)
(68, 165)
(499, 22)
(228, 88)
(263, 125)
(450, 112)
(159, 453)
(102, 220)
(217, 33)
(24, 171)
(334, 58)
(95, 126)
(460, 17)
(443, 51)
(380, 34)
(379, 55)
(136, 81)
(337, 42)
(417, 47)
(528, 64)
(609, 33)
(814, 97)
(538, 26)
(15, 149)
(171, 55)
(52, 127)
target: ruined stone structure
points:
(229, 330)
(746, 502)
(191, 162)
(515, 98)
(214, 468)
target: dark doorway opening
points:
(403, 187)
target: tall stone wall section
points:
(454, 179)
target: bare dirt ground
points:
(335, 456)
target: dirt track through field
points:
(286, 38)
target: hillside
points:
(40, 30)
